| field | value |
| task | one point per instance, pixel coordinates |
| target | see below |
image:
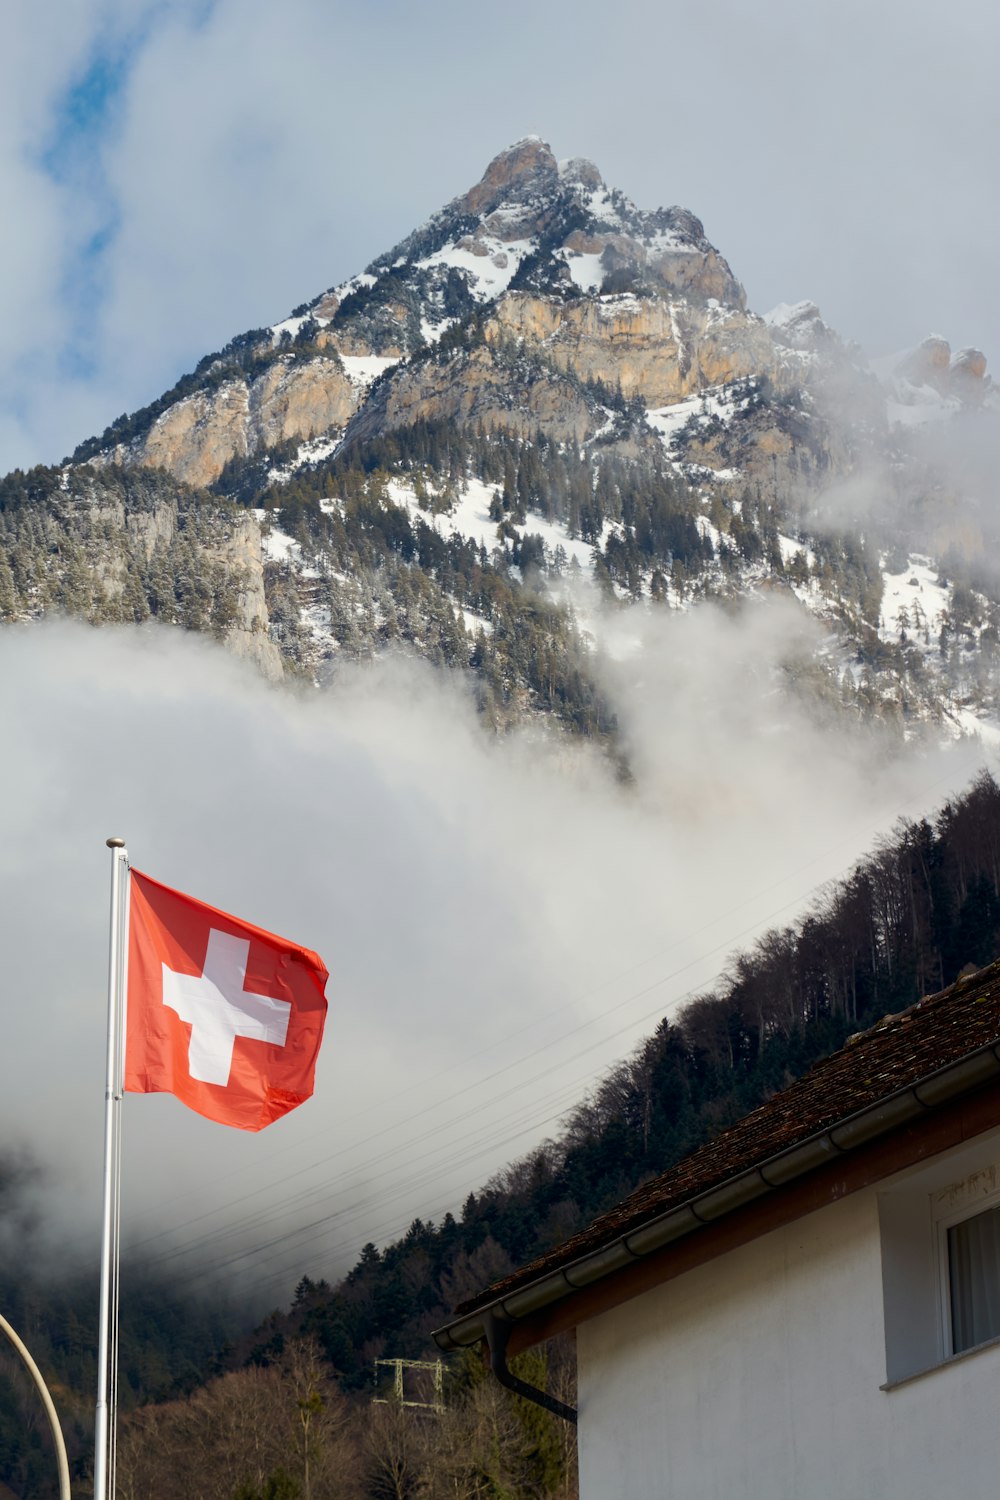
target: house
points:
(808, 1307)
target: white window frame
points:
(944, 1221)
(916, 1208)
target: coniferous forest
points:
(286, 1410)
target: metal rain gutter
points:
(705, 1208)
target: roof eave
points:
(794, 1162)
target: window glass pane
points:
(974, 1269)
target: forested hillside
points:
(913, 915)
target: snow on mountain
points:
(914, 602)
(544, 382)
(488, 263)
(364, 368)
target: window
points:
(972, 1277)
(939, 1225)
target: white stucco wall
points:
(757, 1377)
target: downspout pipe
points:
(497, 1332)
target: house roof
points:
(946, 1044)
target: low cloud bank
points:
(501, 919)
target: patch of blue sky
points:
(83, 290)
(88, 108)
(85, 113)
(91, 106)
(84, 118)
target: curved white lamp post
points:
(49, 1405)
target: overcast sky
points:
(175, 171)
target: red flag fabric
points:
(222, 1014)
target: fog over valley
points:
(501, 918)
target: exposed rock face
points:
(754, 446)
(541, 259)
(384, 335)
(928, 363)
(528, 167)
(524, 192)
(150, 528)
(782, 445)
(140, 546)
(197, 437)
(968, 365)
(477, 389)
(961, 375)
(799, 326)
(300, 401)
(238, 550)
(248, 637)
(661, 351)
(582, 173)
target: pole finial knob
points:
(115, 843)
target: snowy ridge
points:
(488, 264)
(364, 369)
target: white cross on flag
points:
(224, 1015)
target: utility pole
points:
(399, 1397)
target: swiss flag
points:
(227, 1017)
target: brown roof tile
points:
(895, 1054)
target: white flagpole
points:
(107, 1346)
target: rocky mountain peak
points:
(538, 253)
(579, 172)
(523, 170)
(799, 325)
(535, 226)
(969, 363)
(542, 371)
(928, 363)
(932, 366)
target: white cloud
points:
(500, 919)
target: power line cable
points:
(309, 1194)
